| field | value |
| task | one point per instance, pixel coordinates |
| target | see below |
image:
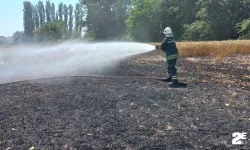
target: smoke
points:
(24, 63)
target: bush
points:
(197, 31)
(243, 29)
(127, 37)
(53, 30)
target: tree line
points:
(138, 20)
(46, 22)
(190, 19)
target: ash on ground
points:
(131, 114)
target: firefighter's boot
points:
(176, 84)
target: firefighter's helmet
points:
(168, 32)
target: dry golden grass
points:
(218, 49)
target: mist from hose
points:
(25, 63)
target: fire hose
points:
(95, 76)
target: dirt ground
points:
(84, 113)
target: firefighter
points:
(168, 45)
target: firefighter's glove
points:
(157, 47)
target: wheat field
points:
(218, 49)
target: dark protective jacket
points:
(169, 47)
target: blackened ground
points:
(98, 113)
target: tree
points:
(52, 31)
(48, 10)
(243, 29)
(144, 21)
(187, 9)
(36, 16)
(66, 14)
(57, 15)
(198, 30)
(41, 12)
(237, 15)
(77, 13)
(121, 14)
(18, 37)
(28, 20)
(214, 11)
(219, 14)
(60, 11)
(3, 40)
(146, 17)
(81, 21)
(105, 19)
(53, 11)
(70, 19)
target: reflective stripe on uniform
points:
(171, 41)
(175, 56)
(174, 77)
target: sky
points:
(11, 14)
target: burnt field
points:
(85, 113)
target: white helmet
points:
(168, 32)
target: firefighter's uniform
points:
(169, 47)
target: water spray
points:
(25, 63)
